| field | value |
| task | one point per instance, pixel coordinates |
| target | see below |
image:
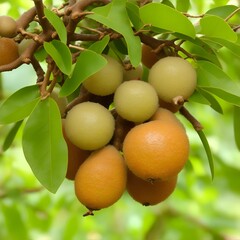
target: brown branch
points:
(195, 123)
(42, 19)
(26, 18)
(38, 69)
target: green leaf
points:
(236, 125)
(233, 47)
(222, 11)
(19, 105)
(207, 150)
(13, 217)
(99, 46)
(211, 99)
(87, 64)
(60, 54)
(114, 15)
(11, 135)
(212, 79)
(44, 146)
(183, 5)
(214, 26)
(134, 16)
(165, 17)
(57, 24)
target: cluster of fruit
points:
(153, 147)
(131, 142)
(8, 47)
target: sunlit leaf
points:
(183, 5)
(114, 15)
(233, 47)
(87, 64)
(44, 146)
(19, 105)
(133, 13)
(214, 26)
(222, 11)
(207, 150)
(99, 46)
(236, 125)
(60, 54)
(212, 100)
(11, 135)
(212, 79)
(12, 217)
(165, 17)
(57, 24)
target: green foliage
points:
(46, 153)
(19, 105)
(158, 15)
(60, 54)
(82, 66)
(210, 41)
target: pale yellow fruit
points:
(134, 73)
(101, 179)
(61, 101)
(105, 81)
(173, 77)
(89, 125)
(135, 100)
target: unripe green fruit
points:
(105, 81)
(89, 125)
(8, 51)
(8, 27)
(135, 100)
(173, 77)
(61, 101)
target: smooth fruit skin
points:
(8, 27)
(149, 193)
(101, 179)
(133, 74)
(149, 58)
(61, 101)
(76, 156)
(156, 150)
(135, 100)
(105, 81)
(164, 114)
(173, 77)
(8, 51)
(89, 125)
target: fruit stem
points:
(195, 123)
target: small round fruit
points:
(61, 101)
(134, 73)
(149, 193)
(173, 77)
(101, 179)
(76, 156)
(89, 125)
(8, 27)
(24, 44)
(105, 81)
(163, 114)
(149, 58)
(156, 150)
(8, 51)
(135, 100)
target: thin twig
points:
(195, 123)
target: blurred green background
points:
(199, 209)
